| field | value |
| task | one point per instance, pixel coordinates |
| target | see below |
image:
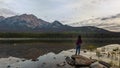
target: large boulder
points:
(79, 60)
(82, 61)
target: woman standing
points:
(78, 45)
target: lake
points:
(48, 60)
(44, 49)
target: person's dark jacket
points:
(79, 41)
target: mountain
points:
(1, 18)
(56, 24)
(111, 23)
(30, 23)
(27, 22)
(23, 20)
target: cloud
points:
(63, 10)
(84, 9)
(6, 12)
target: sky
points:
(66, 11)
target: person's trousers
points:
(77, 50)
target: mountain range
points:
(26, 23)
(30, 23)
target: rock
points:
(35, 59)
(94, 60)
(61, 64)
(17, 61)
(44, 63)
(81, 60)
(85, 51)
(23, 59)
(97, 65)
(8, 66)
(105, 64)
(70, 61)
(54, 57)
(78, 60)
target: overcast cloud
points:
(64, 10)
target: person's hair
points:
(79, 37)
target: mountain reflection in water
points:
(49, 60)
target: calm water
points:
(51, 54)
(49, 60)
(36, 39)
(55, 38)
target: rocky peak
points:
(30, 16)
(57, 23)
(27, 20)
(33, 20)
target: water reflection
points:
(49, 60)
